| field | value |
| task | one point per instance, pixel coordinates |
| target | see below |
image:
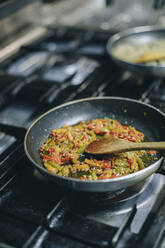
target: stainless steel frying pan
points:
(144, 117)
(138, 36)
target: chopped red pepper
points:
(131, 138)
(131, 132)
(90, 126)
(124, 127)
(102, 176)
(114, 175)
(113, 162)
(152, 152)
(51, 150)
(106, 164)
(112, 132)
(130, 161)
(99, 132)
(46, 157)
(55, 157)
(85, 137)
(121, 136)
(66, 159)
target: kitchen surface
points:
(53, 52)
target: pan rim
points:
(121, 178)
(136, 30)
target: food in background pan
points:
(151, 53)
(63, 151)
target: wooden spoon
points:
(115, 145)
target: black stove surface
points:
(64, 65)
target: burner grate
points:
(80, 228)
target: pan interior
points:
(142, 117)
(134, 39)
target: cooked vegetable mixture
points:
(63, 151)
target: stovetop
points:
(64, 65)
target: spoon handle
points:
(147, 146)
(114, 145)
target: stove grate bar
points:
(65, 222)
(18, 132)
(3, 245)
(8, 166)
(44, 237)
(37, 238)
(125, 224)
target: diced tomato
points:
(55, 157)
(102, 176)
(85, 137)
(113, 162)
(131, 138)
(106, 165)
(46, 157)
(130, 161)
(76, 146)
(90, 126)
(99, 132)
(131, 132)
(121, 135)
(152, 152)
(65, 159)
(96, 130)
(124, 127)
(51, 150)
(114, 175)
(62, 137)
(82, 178)
(54, 135)
(111, 132)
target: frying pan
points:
(137, 36)
(142, 116)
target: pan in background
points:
(139, 36)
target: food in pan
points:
(150, 56)
(63, 151)
(151, 53)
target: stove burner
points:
(59, 46)
(28, 64)
(113, 209)
(103, 200)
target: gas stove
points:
(63, 65)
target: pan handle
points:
(161, 169)
(108, 2)
(158, 4)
